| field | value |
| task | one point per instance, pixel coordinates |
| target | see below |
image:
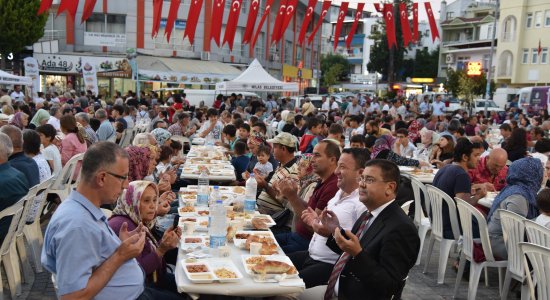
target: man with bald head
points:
(491, 171)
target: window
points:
(538, 19)
(244, 6)
(450, 15)
(529, 21)
(525, 56)
(547, 18)
(544, 56)
(490, 31)
(109, 23)
(534, 56)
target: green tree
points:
(20, 25)
(467, 87)
(329, 63)
(332, 75)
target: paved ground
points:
(419, 285)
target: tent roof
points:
(7, 78)
(256, 78)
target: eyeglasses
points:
(123, 178)
(368, 180)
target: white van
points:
(503, 96)
(532, 99)
(196, 96)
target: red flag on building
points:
(358, 15)
(390, 24)
(415, 36)
(44, 6)
(88, 10)
(324, 11)
(290, 10)
(431, 18)
(539, 50)
(192, 19)
(232, 21)
(262, 21)
(172, 16)
(157, 16)
(307, 19)
(278, 21)
(378, 7)
(217, 18)
(68, 5)
(340, 22)
(251, 21)
(405, 26)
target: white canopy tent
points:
(255, 78)
(10, 79)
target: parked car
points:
(479, 106)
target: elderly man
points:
(18, 159)
(491, 171)
(354, 108)
(83, 119)
(55, 115)
(106, 131)
(181, 128)
(14, 183)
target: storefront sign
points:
(422, 80)
(362, 78)
(104, 39)
(474, 68)
(185, 78)
(89, 75)
(180, 24)
(72, 64)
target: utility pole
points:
(490, 67)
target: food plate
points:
(248, 263)
(193, 272)
(240, 237)
(192, 242)
(405, 169)
(268, 221)
(222, 268)
(186, 210)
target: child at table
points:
(263, 166)
(543, 203)
(240, 160)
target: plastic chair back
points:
(467, 214)
(437, 198)
(41, 196)
(539, 258)
(15, 211)
(513, 232)
(28, 201)
(419, 189)
(63, 181)
(537, 234)
(405, 206)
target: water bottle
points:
(209, 140)
(218, 226)
(215, 195)
(250, 195)
(202, 194)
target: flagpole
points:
(490, 67)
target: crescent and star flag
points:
(433, 25)
(378, 7)
(192, 19)
(231, 25)
(88, 10)
(172, 16)
(539, 49)
(358, 15)
(262, 21)
(278, 21)
(390, 24)
(415, 23)
(252, 15)
(217, 18)
(307, 19)
(290, 10)
(157, 15)
(340, 22)
(405, 26)
(324, 11)
(68, 5)
(44, 6)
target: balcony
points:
(467, 42)
(51, 35)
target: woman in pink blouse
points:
(73, 143)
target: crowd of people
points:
(328, 176)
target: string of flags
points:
(285, 13)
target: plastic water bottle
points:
(202, 194)
(209, 140)
(250, 195)
(215, 195)
(218, 226)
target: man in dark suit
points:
(381, 248)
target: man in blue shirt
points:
(18, 159)
(106, 131)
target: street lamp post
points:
(490, 67)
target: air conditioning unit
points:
(450, 59)
(205, 55)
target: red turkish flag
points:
(405, 26)
(378, 7)
(433, 25)
(88, 10)
(232, 21)
(390, 24)
(324, 11)
(217, 18)
(358, 15)
(340, 22)
(192, 19)
(172, 16)
(415, 23)
(279, 21)
(44, 6)
(290, 10)
(157, 15)
(68, 5)
(262, 21)
(307, 19)
(252, 15)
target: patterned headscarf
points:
(384, 142)
(40, 116)
(524, 178)
(17, 120)
(161, 135)
(128, 205)
(414, 129)
(257, 139)
(139, 158)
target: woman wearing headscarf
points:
(162, 136)
(523, 181)
(41, 117)
(20, 120)
(137, 209)
(254, 140)
(141, 162)
(428, 139)
(414, 131)
(382, 149)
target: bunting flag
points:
(340, 22)
(539, 49)
(390, 25)
(278, 21)
(378, 7)
(68, 5)
(405, 26)
(252, 15)
(358, 15)
(232, 21)
(415, 36)
(290, 10)
(192, 19)
(324, 11)
(307, 19)
(433, 25)
(157, 15)
(262, 21)
(172, 16)
(44, 6)
(88, 10)
(217, 18)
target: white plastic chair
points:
(437, 198)
(314, 293)
(537, 234)
(420, 220)
(127, 137)
(539, 257)
(18, 244)
(513, 232)
(405, 206)
(7, 257)
(467, 214)
(62, 184)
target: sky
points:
(369, 6)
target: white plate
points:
(190, 247)
(240, 243)
(227, 264)
(270, 223)
(405, 169)
(199, 277)
(267, 277)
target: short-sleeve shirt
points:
(77, 241)
(52, 153)
(353, 110)
(482, 175)
(105, 131)
(438, 108)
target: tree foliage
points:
(20, 25)
(424, 64)
(332, 75)
(467, 87)
(334, 69)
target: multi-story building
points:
(116, 26)
(524, 26)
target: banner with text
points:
(90, 76)
(31, 70)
